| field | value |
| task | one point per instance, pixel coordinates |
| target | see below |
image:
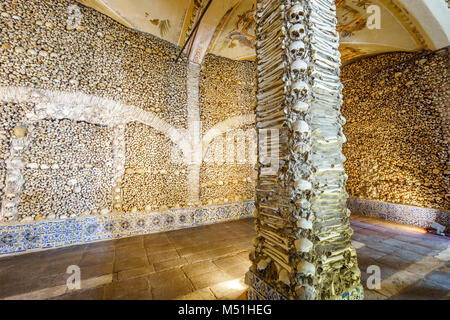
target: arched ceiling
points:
(227, 28)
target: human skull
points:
(304, 224)
(298, 89)
(307, 268)
(302, 147)
(303, 245)
(298, 68)
(300, 106)
(296, 49)
(297, 31)
(303, 185)
(301, 126)
(296, 13)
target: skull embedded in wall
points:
(303, 204)
(299, 89)
(297, 31)
(303, 185)
(296, 13)
(304, 224)
(306, 268)
(298, 68)
(300, 106)
(302, 147)
(303, 245)
(301, 126)
(296, 49)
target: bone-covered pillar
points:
(302, 248)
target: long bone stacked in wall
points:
(303, 234)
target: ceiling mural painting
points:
(163, 25)
(196, 8)
(220, 26)
(227, 28)
(353, 16)
(216, 23)
(236, 38)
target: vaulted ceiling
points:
(227, 28)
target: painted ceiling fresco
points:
(227, 28)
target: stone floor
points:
(209, 262)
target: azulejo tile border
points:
(417, 216)
(356, 293)
(16, 238)
(259, 289)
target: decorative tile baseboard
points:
(417, 216)
(16, 238)
(261, 290)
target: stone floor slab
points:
(209, 262)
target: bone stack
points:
(303, 235)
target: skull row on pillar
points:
(303, 243)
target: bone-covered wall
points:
(228, 100)
(398, 129)
(92, 113)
